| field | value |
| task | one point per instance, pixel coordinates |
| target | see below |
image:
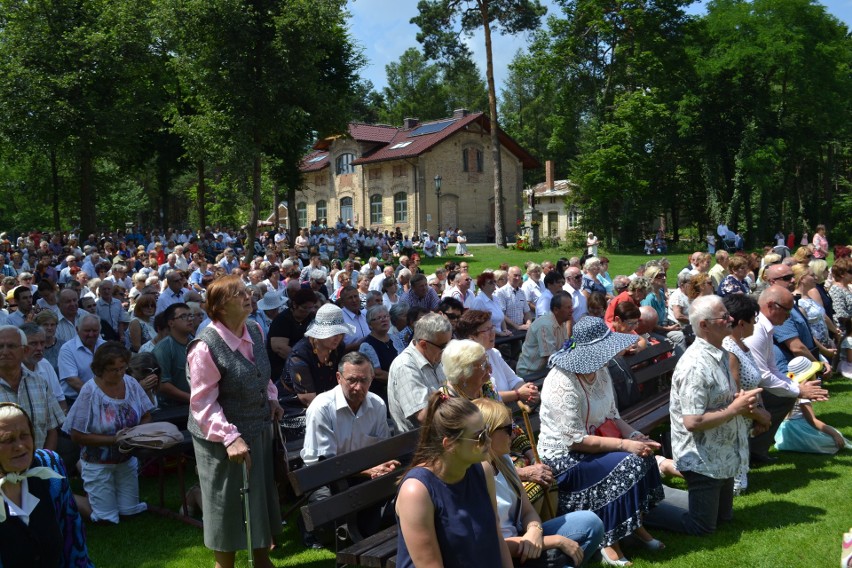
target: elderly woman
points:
(820, 243)
(587, 444)
(604, 278)
(107, 404)
(231, 405)
(467, 370)
(591, 269)
(735, 282)
(141, 329)
(145, 368)
(821, 326)
(819, 294)
(39, 521)
(841, 295)
(575, 535)
(380, 349)
(486, 301)
(699, 285)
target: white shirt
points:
(358, 320)
(533, 289)
(760, 344)
(167, 298)
(332, 428)
(578, 300)
(45, 369)
(502, 375)
(377, 281)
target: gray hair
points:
(353, 358)
(31, 328)
(683, 278)
(16, 330)
(702, 309)
(459, 359)
(317, 274)
(86, 317)
(376, 310)
(640, 283)
(591, 262)
(620, 282)
(398, 310)
(431, 325)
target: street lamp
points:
(438, 200)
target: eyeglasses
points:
(488, 329)
(507, 429)
(151, 371)
(485, 365)
(241, 294)
(182, 317)
(725, 317)
(440, 347)
(352, 381)
(481, 439)
(786, 278)
(577, 277)
(785, 308)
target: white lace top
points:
(571, 409)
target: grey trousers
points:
(778, 407)
(697, 511)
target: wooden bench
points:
(348, 499)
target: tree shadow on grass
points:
(838, 386)
(794, 471)
(837, 419)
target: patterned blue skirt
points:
(617, 486)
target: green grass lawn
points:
(793, 515)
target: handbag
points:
(608, 428)
(153, 435)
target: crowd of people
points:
(342, 338)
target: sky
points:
(382, 29)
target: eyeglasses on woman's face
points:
(481, 439)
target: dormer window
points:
(343, 165)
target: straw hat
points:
(328, 323)
(591, 346)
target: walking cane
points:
(525, 410)
(244, 492)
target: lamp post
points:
(438, 200)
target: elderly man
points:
(421, 295)
(460, 289)
(110, 311)
(553, 283)
(720, 269)
(66, 328)
(513, 301)
(350, 302)
(75, 356)
(708, 421)
(636, 291)
(34, 361)
(780, 392)
(66, 274)
(657, 300)
(229, 262)
(573, 282)
(379, 279)
(533, 287)
(28, 389)
(175, 292)
(416, 372)
(546, 335)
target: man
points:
(404, 262)
(110, 311)
(169, 266)
(720, 269)
(75, 356)
(197, 275)
(546, 335)
(640, 271)
(513, 301)
(421, 295)
(350, 302)
(779, 391)
(91, 262)
(229, 262)
(553, 283)
(533, 287)
(461, 289)
(657, 300)
(708, 420)
(27, 389)
(636, 291)
(23, 295)
(34, 361)
(573, 283)
(66, 328)
(65, 274)
(315, 263)
(416, 372)
(175, 293)
(288, 328)
(451, 309)
(379, 279)
(171, 355)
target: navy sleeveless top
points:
(464, 520)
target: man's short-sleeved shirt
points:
(794, 327)
(171, 356)
(37, 400)
(75, 360)
(411, 380)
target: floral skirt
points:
(618, 486)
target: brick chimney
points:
(460, 113)
(409, 123)
(548, 175)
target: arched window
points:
(400, 207)
(322, 211)
(346, 209)
(344, 164)
(375, 209)
(302, 214)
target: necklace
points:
(587, 378)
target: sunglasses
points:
(151, 371)
(481, 439)
(507, 429)
(787, 278)
(441, 347)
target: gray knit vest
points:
(242, 388)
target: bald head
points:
(780, 275)
(648, 319)
(776, 303)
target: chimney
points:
(460, 113)
(409, 123)
(548, 175)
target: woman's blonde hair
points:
(495, 414)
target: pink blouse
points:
(204, 379)
(820, 246)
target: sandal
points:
(606, 560)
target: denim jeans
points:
(698, 511)
(583, 527)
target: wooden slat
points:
(651, 352)
(351, 554)
(655, 370)
(517, 335)
(339, 467)
(353, 499)
(377, 556)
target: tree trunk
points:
(292, 214)
(201, 196)
(54, 178)
(163, 179)
(88, 215)
(276, 220)
(499, 227)
(255, 207)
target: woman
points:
(591, 269)
(803, 255)
(446, 509)
(107, 404)
(461, 247)
(604, 278)
(343, 279)
(51, 534)
(390, 289)
(467, 370)
(232, 402)
(576, 535)
(625, 319)
(141, 329)
(699, 285)
(819, 294)
(363, 289)
(257, 315)
(735, 282)
(48, 321)
(679, 300)
(743, 309)
(822, 328)
(379, 348)
(145, 368)
(596, 304)
(841, 295)
(477, 325)
(587, 444)
(820, 243)
(486, 302)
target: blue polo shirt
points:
(795, 326)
